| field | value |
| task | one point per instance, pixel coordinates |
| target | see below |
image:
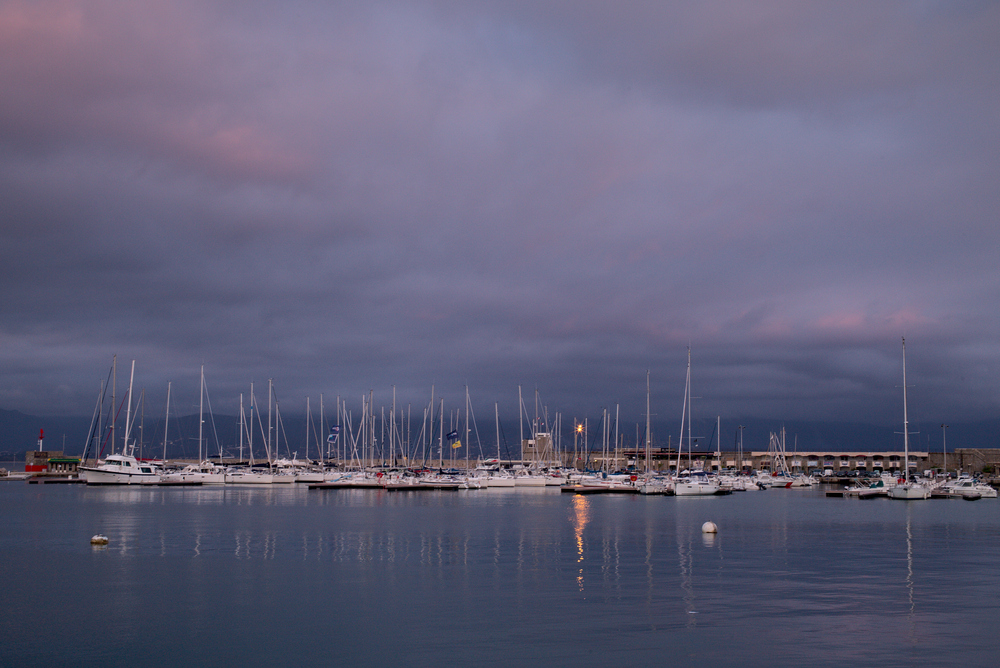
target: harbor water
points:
(284, 575)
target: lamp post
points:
(944, 447)
(576, 437)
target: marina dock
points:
(46, 480)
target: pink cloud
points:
(842, 322)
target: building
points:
(42, 462)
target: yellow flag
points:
(456, 444)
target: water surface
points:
(281, 575)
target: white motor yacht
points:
(120, 469)
(967, 488)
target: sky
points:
(381, 196)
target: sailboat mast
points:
(100, 426)
(647, 422)
(906, 423)
(718, 440)
(430, 433)
(166, 422)
(128, 412)
(201, 412)
(689, 401)
(242, 426)
(142, 419)
(496, 415)
(684, 414)
(114, 400)
(467, 431)
(520, 418)
(270, 394)
(250, 432)
(308, 425)
(617, 415)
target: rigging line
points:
(215, 432)
(111, 427)
(586, 464)
(503, 436)
(475, 429)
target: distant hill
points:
(19, 433)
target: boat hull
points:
(241, 478)
(200, 478)
(909, 491)
(695, 489)
(96, 476)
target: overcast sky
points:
(348, 197)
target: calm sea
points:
(289, 576)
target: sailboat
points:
(907, 489)
(780, 475)
(247, 475)
(651, 484)
(696, 483)
(204, 472)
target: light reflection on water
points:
(581, 506)
(572, 578)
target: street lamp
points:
(576, 440)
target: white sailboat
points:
(205, 471)
(780, 476)
(697, 483)
(247, 476)
(907, 490)
(305, 471)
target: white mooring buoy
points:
(709, 527)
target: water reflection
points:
(685, 558)
(797, 571)
(581, 516)
(909, 561)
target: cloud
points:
(564, 195)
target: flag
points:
(334, 432)
(451, 435)
(456, 445)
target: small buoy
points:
(709, 527)
(99, 539)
